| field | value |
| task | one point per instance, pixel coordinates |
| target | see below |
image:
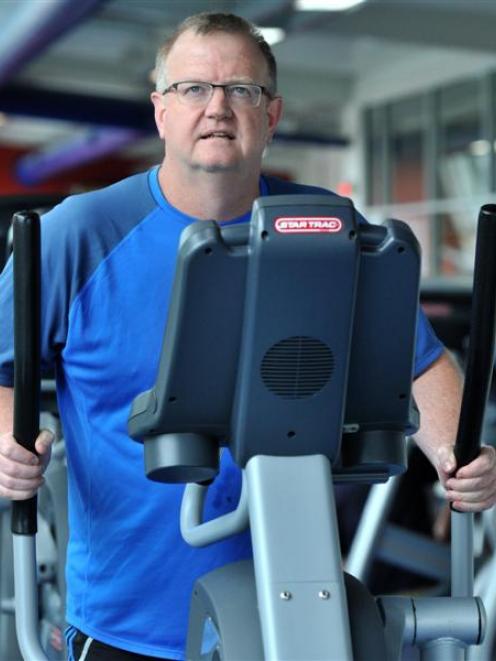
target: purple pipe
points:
(36, 167)
(33, 26)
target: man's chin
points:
(216, 166)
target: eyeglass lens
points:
(195, 93)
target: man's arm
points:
(438, 393)
(6, 409)
(21, 472)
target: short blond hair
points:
(208, 23)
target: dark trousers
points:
(82, 648)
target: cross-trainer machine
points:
(291, 341)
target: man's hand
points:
(438, 392)
(471, 488)
(21, 471)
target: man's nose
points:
(219, 104)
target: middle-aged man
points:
(108, 264)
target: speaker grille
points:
(297, 367)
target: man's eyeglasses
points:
(193, 93)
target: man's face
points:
(219, 136)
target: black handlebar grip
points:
(27, 325)
(481, 347)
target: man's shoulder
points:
(129, 197)
(85, 228)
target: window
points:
(407, 150)
(375, 121)
(464, 151)
(431, 160)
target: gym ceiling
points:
(73, 68)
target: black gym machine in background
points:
(441, 628)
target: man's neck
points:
(210, 196)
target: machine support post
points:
(462, 554)
(26, 598)
(299, 578)
(447, 649)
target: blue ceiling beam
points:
(30, 101)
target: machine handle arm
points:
(27, 295)
(476, 388)
(198, 533)
(27, 325)
(482, 339)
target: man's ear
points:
(274, 114)
(158, 103)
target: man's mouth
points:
(226, 135)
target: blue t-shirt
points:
(108, 260)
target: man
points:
(108, 265)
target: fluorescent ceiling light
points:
(326, 5)
(272, 35)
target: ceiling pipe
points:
(33, 26)
(37, 167)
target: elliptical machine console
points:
(305, 322)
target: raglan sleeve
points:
(428, 346)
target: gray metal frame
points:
(38, 567)
(297, 564)
(26, 598)
(8, 641)
(299, 578)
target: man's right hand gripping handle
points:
(21, 471)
